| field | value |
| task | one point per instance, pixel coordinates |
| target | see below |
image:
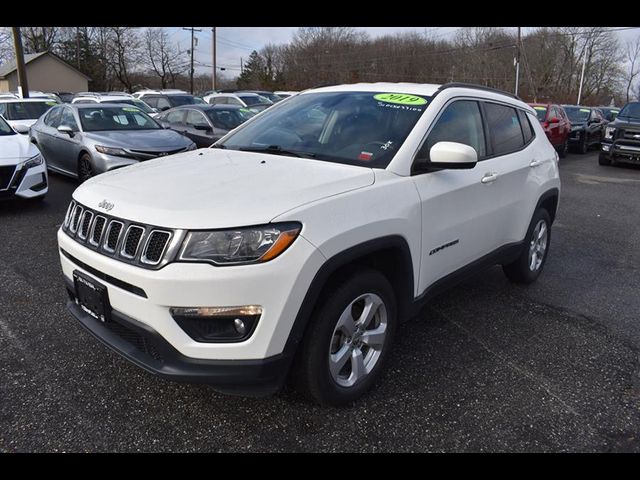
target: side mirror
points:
(554, 120)
(204, 128)
(452, 155)
(21, 129)
(66, 129)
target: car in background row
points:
(609, 113)
(23, 173)
(163, 100)
(587, 127)
(83, 140)
(21, 113)
(243, 99)
(556, 125)
(65, 97)
(621, 142)
(205, 124)
(285, 94)
(263, 93)
(111, 98)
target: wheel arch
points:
(549, 201)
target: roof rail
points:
(477, 87)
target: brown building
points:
(46, 72)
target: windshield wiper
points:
(218, 146)
(277, 150)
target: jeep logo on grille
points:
(106, 205)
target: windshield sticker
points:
(366, 156)
(130, 109)
(400, 99)
(585, 110)
(540, 108)
(386, 145)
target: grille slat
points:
(143, 245)
(6, 174)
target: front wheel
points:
(583, 146)
(348, 340)
(528, 266)
(85, 168)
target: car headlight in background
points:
(608, 133)
(33, 161)
(239, 245)
(118, 152)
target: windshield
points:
(541, 113)
(26, 110)
(229, 119)
(630, 110)
(115, 118)
(357, 128)
(178, 100)
(254, 99)
(5, 129)
(141, 105)
(577, 114)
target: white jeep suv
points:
(293, 247)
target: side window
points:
(460, 122)
(162, 103)
(176, 116)
(68, 119)
(234, 101)
(196, 119)
(151, 101)
(527, 129)
(504, 127)
(3, 109)
(552, 114)
(53, 117)
(219, 100)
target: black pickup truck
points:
(621, 140)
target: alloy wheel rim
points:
(357, 340)
(538, 245)
(85, 170)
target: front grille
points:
(631, 135)
(6, 174)
(144, 245)
(149, 154)
(132, 241)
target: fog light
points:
(217, 324)
(605, 148)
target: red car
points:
(556, 125)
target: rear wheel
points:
(85, 168)
(528, 266)
(348, 340)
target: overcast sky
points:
(238, 42)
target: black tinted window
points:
(527, 129)
(505, 128)
(460, 122)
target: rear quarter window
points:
(527, 129)
(504, 126)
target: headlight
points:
(33, 161)
(119, 152)
(608, 132)
(239, 245)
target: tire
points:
(604, 159)
(525, 269)
(85, 168)
(583, 147)
(327, 336)
(564, 149)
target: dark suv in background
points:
(587, 127)
(556, 125)
(621, 141)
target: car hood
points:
(26, 123)
(214, 188)
(160, 138)
(625, 123)
(14, 148)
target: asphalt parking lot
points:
(488, 366)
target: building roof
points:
(11, 67)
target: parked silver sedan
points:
(83, 140)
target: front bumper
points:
(624, 152)
(146, 348)
(30, 183)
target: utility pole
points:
(518, 62)
(213, 54)
(241, 67)
(584, 64)
(23, 87)
(191, 72)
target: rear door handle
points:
(489, 177)
(535, 163)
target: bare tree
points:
(163, 57)
(123, 55)
(39, 39)
(632, 52)
(6, 45)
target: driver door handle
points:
(535, 163)
(489, 177)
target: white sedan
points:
(23, 172)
